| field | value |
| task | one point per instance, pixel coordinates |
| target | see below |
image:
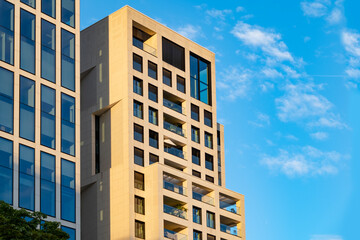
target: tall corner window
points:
(48, 7)
(27, 108)
(6, 170)
(67, 124)
(173, 54)
(67, 59)
(47, 184)
(26, 177)
(152, 70)
(30, 3)
(27, 41)
(137, 63)
(48, 51)
(6, 100)
(7, 32)
(68, 12)
(68, 198)
(200, 79)
(47, 119)
(138, 86)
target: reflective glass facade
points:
(68, 12)
(26, 177)
(6, 100)
(48, 7)
(48, 106)
(47, 184)
(67, 190)
(67, 60)
(67, 124)
(27, 108)
(6, 170)
(48, 54)
(27, 41)
(6, 32)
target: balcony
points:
(175, 188)
(201, 194)
(175, 211)
(141, 37)
(174, 125)
(173, 102)
(229, 204)
(230, 230)
(143, 46)
(174, 235)
(175, 150)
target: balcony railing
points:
(175, 211)
(143, 46)
(174, 235)
(230, 230)
(175, 151)
(231, 208)
(174, 188)
(173, 128)
(203, 198)
(174, 106)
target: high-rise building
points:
(152, 151)
(40, 108)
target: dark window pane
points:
(70, 231)
(67, 190)
(153, 93)
(48, 7)
(153, 116)
(209, 179)
(6, 170)
(200, 79)
(195, 134)
(208, 140)
(6, 32)
(26, 177)
(153, 139)
(152, 70)
(47, 184)
(196, 173)
(197, 235)
(139, 229)
(27, 108)
(27, 41)
(137, 62)
(167, 77)
(6, 100)
(173, 54)
(31, 3)
(209, 162)
(197, 215)
(195, 112)
(138, 133)
(153, 158)
(68, 12)
(180, 84)
(67, 124)
(139, 205)
(196, 156)
(139, 181)
(67, 60)
(208, 118)
(138, 156)
(48, 55)
(138, 86)
(138, 109)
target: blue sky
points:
(288, 79)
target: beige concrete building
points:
(152, 152)
(40, 108)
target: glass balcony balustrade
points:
(175, 151)
(230, 230)
(174, 106)
(178, 212)
(173, 128)
(174, 235)
(143, 46)
(174, 188)
(203, 198)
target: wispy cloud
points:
(332, 13)
(314, 9)
(236, 82)
(272, 73)
(326, 237)
(262, 120)
(220, 14)
(304, 161)
(190, 31)
(319, 135)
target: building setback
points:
(40, 108)
(152, 163)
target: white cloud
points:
(240, 9)
(291, 72)
(351, 42)
(319, 135)
(265, 39)
(331, 121)
(326, 237)
(272, 73)
(220, 14)
(314, 9)
(262, 120)
(335, 16)
(266, 86)
(190, 31)
(353, 73)
(234, 83)
(304, 161)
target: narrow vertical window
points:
(47, 117)
(137, 63)
(152, 70)
(196, 156)
(48, 7)
(67, 124)
(47, 184)
(153, 93)
(197, 215)
(70, 231)
(200, 79)
(207, 118)
(153, 139)
(167, 77)
(138, 109)
(68, 12)
(208, 140)
(30, 3)
(139, 205)
(195, 134)
(67, 60)
(210, 219)
(138, 156)
(139, 229)
(97, 144)
(180, 84)
(26, 177)
(67, 190)
(27, 108)
(197, 235)
(139, 181)
(6, 32)
(6, 170)
(153, 116)
(6, 100)
(138, 133)
(27, 41)
(195, 112)
(137, 86)
(209, 162)
(48, 55)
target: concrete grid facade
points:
(152, 151)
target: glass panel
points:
(70, 231)
(209, 162)
(138, 133)
(195, 134)
(7, 15)
(153, 139)
(6, 171)
(153, 158)
(153, 116)
(196, 156)
(139, 229)
(27, 41)
(137, 62)
(138, 86)
(48, 62)
(196, 215)
(48, 7)
(152, 70)
(208, 118)
(210, 219)
(208, 140)
(195, 112)
(180, 84)
(27, 108)
(67, 60)
(67, 190)
(31, 3)
(67, 124)
(47, 116)
(6, 32)
(167, 77)
(138, 156)
(153, 93)
(138, 109)
(26, 175)
(6, 100)
(47, 184)
(68, 12)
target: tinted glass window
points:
(7, 32)
(195, 112)
(27, 108)
(68, 12)
(47, 117)
(138, 86)
(47, 184)
(138, 109)
(153, 116)
(152, 70)
(27, 41)
(67, 60)
(200, 79)
(138, 156)
(31, 3)
(137, 62)
(153, 139)
(167, 77)
(67, 190)
(173, 54)
(48, 55)
(26, 177)
(70, 231)
(67, 124)
(6, 170)
(138, 133)
(48, 7)
(196, 156)
(6, 100)
(153, 93)
(180, 84)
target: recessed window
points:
(153, 139)
(167, 77)
(152, 70)
(153, 116)
(70, 231)
(139, 229)
(47, 128)
(139, 181)
(195, 134)
(138, 86)
(138, 156)
(47, 184)
(153, 158)
(200, 82)
(208, 118)
(180, 84)
(196, 173)
(211, 237)
(208, 140)
(6, 99)
(138, 133)
(197, 235)
(138, 109)
(67, 124)
(137, 62)
(197, 215)
(31, 3)
(218, 138)
(7, 32)
(173, 54)
(209, 178)
(139, 205)
(210, 219)
(195, 112)
(209, 162)
(153, 93)
(196, 156)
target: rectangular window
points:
(67, 124)
(167, 77)
(153, 116)
(67, 190)
(209, 178)
(180, 84)
(137, 63)
(138, 156)
(139, 205)
(200, 79)
(173, 54)
(197, 215)
(210, 219)
(152, 70)
(211, 237)
(196, 173)
(195, 134)
(139, 229)
(7, 32)
(207, 118)
(138, 109)
(153, 158)
(48, 48)
(6, 170)
(48, 7)
(219, 178)
(27, 41)
(153, 93)
(153, 139)
(209, 162)
(67, 59)
(26, 177)
(139, 181)
(218, 138)
(47, 184)
(138, 133)
(6, 100)
(47, 117)
(195, 112)
(27, 108)
(196, 156)
(138, 86)
(97, 144)
(197, 235)
(30, 3)
(68, 12)
(208, 140)
(70, 231)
